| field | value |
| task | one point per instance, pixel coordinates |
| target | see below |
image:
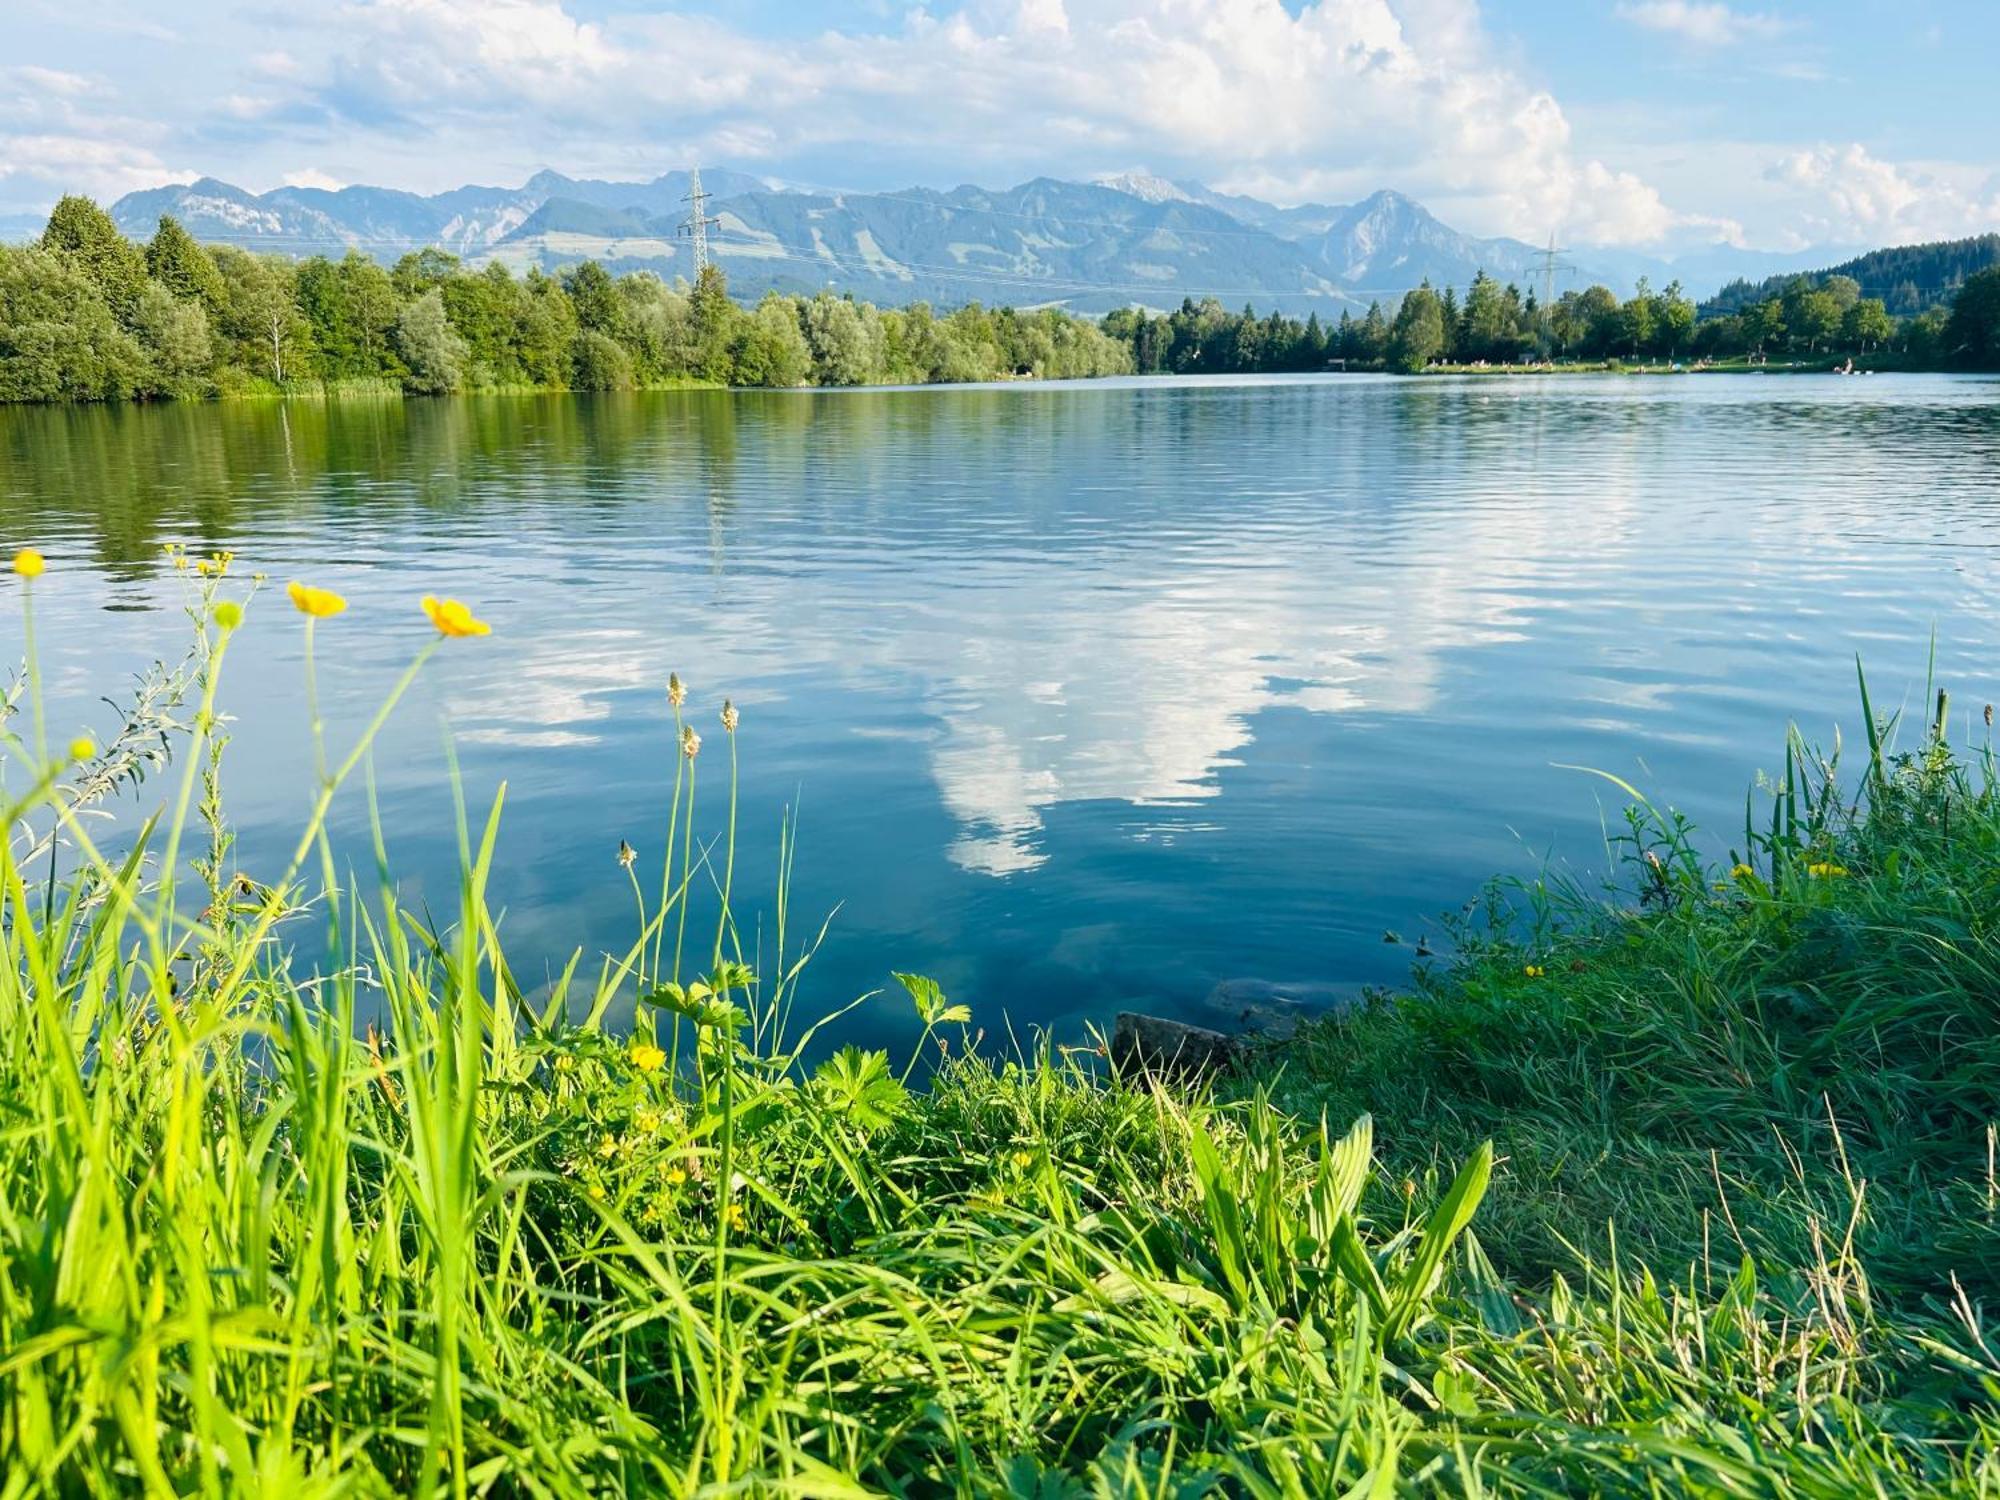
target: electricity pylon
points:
(696, 224)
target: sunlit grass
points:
(386, 1224)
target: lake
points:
(1088, 696)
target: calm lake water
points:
(1087, 696)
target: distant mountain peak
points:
(1145, 185)
(1126, 238)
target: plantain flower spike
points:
(690, 742)
(729, 717)
(677, 692)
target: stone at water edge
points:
(1169, 1049)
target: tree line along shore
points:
(89, 315)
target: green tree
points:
(260, 319)
(432, 351)
(1866, 325)
(770, 349)
(1418, 335)
(83, 234)
(599, 363)
(58, 338)
(181, 266)
(593, 293)
(174, 334)
(1673, 320)
(1972, 335)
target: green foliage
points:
(477, 1242)
(82, 235)
(1417, 337)
(430, 348)
(432, 326)
(176, 262)
(1973, 335)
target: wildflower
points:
(1740, 872)
(320, 604)
(690, 742)
(228, 615)
(29, 563)
(608, 1147)
(647, 1058)
(729, 717)
(1534, 971)
(1825, 870)
(83, 747)
(648, 1119)
(626, 854)
(565, 1064)
(677, 692)
(676, 1176)
(736, 1217)
(597, 1192)
(452, 618)
(1024, 1159)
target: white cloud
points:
(1339, 98)
(55, 138)
(313, 177)
(1704, 23)
(1846, 193)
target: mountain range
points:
(1089, 246)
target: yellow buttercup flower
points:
(736, 1217)
(452, 618)
(676, 1176)
(1740, 872)
(647, 1058)
(29, 563)
(321, 604)
(1534, 971)
(1825, 870)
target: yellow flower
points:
(1024, 1159)
(647, 1058)
(1740, 872)
(452, 618)
(83, 747)
(676, 1176)
(228, 614)
(1534, 971)
(597, 1192)
(29, 563)
(321, 604)
(608, 1147)
(1826, 871)
(736, 1217)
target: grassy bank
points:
(1689, 1192)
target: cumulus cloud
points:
(1704, 23)
(1845, 192)
(1336, 97)
(55, 137)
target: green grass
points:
(1734, 1232)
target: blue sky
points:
(1663, 123)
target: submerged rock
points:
(1170, 1049)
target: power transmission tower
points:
(1549, 264)
(696, 223)
(1545, 337)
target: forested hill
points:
(1907, 278)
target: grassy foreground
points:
(1692, 1193)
